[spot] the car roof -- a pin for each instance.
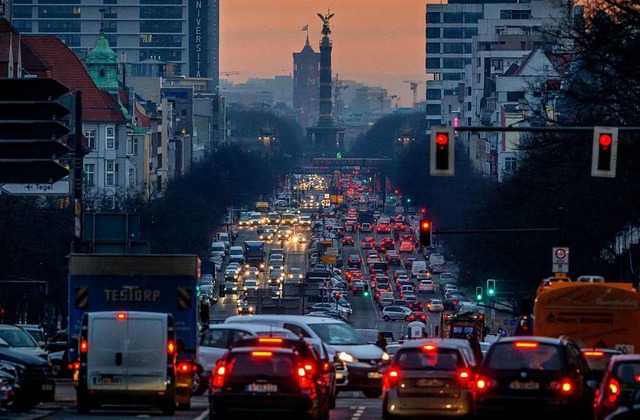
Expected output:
(299, 318)
(448, 343)
(625, 358)
(249, 327)
(542, 340)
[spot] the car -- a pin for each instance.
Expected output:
(428, 378)
(435, 305)
(413, 302)
(388, 242)
(408, 262)
(365, 227)
(406, 246)
(295, 274)
(417, 316)
(426, 286)
(348, 241)
(393, 258)
(446, 278)
(250, 284)
(598, 359)
(18, 339)
(325, 306)
(259, 378)
(354, 261)
(368, 243)
(537, 375)
(358, 287)
(619, 384)
(395, 313)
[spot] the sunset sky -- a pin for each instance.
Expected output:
(377, 42)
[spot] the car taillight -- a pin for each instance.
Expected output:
(612, 390)
(390, 379)
(84, 346)
(484, 384)
(171, 347)
(184, 367)
(526, 344)
(219, 376)
(305, 381)
(269, 340)
(565, 386)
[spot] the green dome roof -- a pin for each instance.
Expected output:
(102, 52)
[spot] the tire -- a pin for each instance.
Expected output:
(168, 408)
(82, 405)
(184, 406)
(332, 402)
(386, 318)
(199, 385)
(372, 392)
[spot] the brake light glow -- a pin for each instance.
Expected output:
(308, 367)
(261, 353)
(218, 378)
(121, 315)
(613, 390)
(564, 386)
(171, 347)
(390, 379)
(526, 345)
(464, 374)
(84, 346)
(269, 340)
(483, 384)
(184, 367)
(429, 347)
(593, 353)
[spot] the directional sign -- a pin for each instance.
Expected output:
(62, 188)
(560, 255)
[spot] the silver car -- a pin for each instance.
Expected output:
(393, 313)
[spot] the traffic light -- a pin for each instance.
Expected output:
(30, 129)
(425, 232)
(605, 152)
(479, 293)
(491, 287)
(442, 151)
(365, 291)
(423, 211)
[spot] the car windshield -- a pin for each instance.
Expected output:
(263, 363)
(18, 338)
(428, 358)
(627, 373)
(524, 356)
(338, 334)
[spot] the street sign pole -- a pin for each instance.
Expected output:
(77, 174)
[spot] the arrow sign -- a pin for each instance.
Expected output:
(31, 89)
(35, 171)
(62, 188)
(35, 110)
(32, 149)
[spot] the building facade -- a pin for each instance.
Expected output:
(306, 88)
(183, 32)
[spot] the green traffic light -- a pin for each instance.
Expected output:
(478, 297)
(365, 294)
(491, 292)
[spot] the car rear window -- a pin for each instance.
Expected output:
(524, 355)
(628, 373)
(428, 358)
(261, 362)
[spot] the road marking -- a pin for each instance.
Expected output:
(203, 415)
(359, 412)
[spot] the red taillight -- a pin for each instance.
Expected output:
(564, 386)
(261, 353)
(84, 346)
(390, 379)
(304, 381)
(612, 390)
(429, 347)
(484, 384)
(121, 315)
(593, 353)
(171, 347)
(526, 344)
(184, 367)
(218, 377)
(269, 340)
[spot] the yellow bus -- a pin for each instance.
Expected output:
(591, 312)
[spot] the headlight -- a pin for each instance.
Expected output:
(346, 357)
(385, 356)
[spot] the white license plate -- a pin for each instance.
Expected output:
(262, 388)
(109, 380)
(527, 386)
(47, 387)
(374, 375)
(339, 375)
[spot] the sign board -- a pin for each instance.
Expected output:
(416, 331)
(329, 259)
(62, 187)
(560, 268)
(560, 255)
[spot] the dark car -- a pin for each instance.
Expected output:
(428, 378)
(35, 377)
(619, 385)
(315, 361)
(354, 261)
(536, 375)
(393, 258)
(263, 380)
(598, 360)
(348, 241)
(408, 263)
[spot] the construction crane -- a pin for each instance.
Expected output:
(413, 85)
(229, 73)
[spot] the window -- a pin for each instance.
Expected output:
(297, 330)
(472, 17)
(470, 32)
(110, 173)
(132, 146)
(468, 106)
(510, 164)
(433, 17)
(452, 76)
(452, 32)
(90, 135)
(515, 96)
(433, 47)
(453, 48)
(452, 63)
(515, 14)
(453, 17)
(111, 138)
(89, 178)
(434, 94)
(434, 109)
(215, 338)
(433, 33)
(433, 63)
(131, 176)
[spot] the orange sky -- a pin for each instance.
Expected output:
(377, 42)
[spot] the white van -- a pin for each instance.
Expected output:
(236, 254)
(127, 358)
(417, 267)
(219, 248)
(470, 307)
(363, 361)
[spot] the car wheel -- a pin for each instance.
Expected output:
(82, 405)
(184, 406)
(372, 392)
(199, 385)
(168, 408)
(386, 318)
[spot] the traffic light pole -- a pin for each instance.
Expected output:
(546, 129)
(78, 174)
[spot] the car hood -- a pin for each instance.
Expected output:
(23, 356)
(361, 352)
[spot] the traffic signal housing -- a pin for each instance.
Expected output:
(425, 232)
(365, 291)
(479, 295)
(605, 152)
(442, 151)
(491, 287)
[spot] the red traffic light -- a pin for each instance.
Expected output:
(423, 211)
(605, 140)
(425, 225)
(442, 139)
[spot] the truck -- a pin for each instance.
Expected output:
(437, 263)
(461, 325)
(254, 254)
(149, 283)
(365, 217)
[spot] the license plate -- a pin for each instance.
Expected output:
(262, 388)
(339, 375)
(47, 387)
(429, 382)
(109, 380)
(527, 386)
(374, 375)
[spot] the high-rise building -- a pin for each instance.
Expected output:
(182, 32)
(306, 79)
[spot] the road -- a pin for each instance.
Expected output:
(350, 405)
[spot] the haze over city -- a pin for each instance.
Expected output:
(377, 42)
